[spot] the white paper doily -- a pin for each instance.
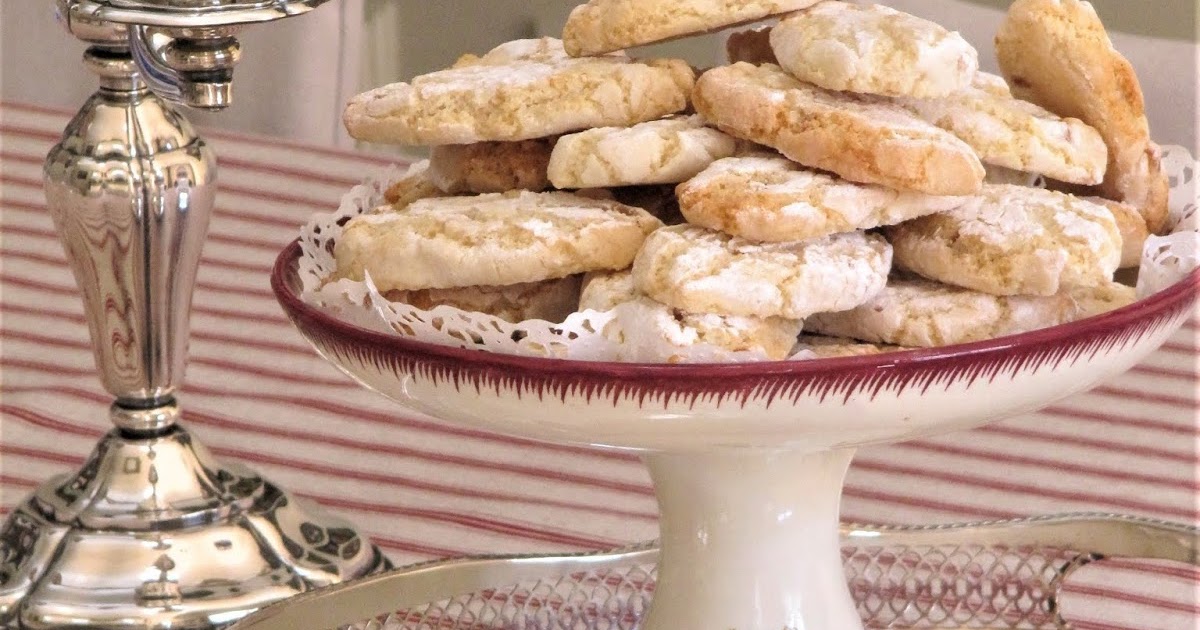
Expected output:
(1169, 259)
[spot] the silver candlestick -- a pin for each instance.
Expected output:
(153, 532)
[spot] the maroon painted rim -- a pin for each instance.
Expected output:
(284, 282)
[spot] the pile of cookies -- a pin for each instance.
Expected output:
(850, 183)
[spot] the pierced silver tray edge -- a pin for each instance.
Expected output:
(1094, 535)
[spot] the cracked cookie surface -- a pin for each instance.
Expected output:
(703, 271)
(520, 90)
(1056, 53)
(862, 139)
(1017, 134)
(1012, 240)
(775, 199)
(925, 314)
(873, 49)
(651, 325)
(491, 167)
(666, 151)
(602, 26)
(492, 239)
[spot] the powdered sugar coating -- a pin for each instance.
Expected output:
(1018, 135)
(601, 26)
(1012, 240)
(654, 332)
(702, 271)
(873, 49)
(766, 198)
(603, 291)
(666, 151)
(494, 239)
(861, 139)
(521, 90)
(924, 314)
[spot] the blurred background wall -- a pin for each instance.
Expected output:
(293, 79)
(297, 73)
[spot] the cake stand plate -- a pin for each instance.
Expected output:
(747, 460)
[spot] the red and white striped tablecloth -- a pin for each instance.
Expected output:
(256, 393)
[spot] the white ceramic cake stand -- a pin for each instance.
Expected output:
(747, 460)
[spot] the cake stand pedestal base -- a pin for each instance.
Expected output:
(750, 541)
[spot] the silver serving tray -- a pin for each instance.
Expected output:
(995, 574)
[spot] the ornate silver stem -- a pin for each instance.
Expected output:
(130, 189)
(152, 532)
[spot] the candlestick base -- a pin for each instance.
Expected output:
(152, 532)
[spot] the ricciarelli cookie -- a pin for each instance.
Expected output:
(873, 49)
(549, 300)
(490, 240)
(658, 332)
(518, 91)
(754, 46)
(924, 314)
(1017, 134)
(1132, 227)
(602, 26)
(1012, 240)
(666, 151)
(774, 199)
(487, 167)
(702, 271)
(1093, 301)
(604, 291)
(1057, 54)
(993, 84)
(861, 139)
(415, 184)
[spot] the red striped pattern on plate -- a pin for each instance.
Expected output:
(256, 393)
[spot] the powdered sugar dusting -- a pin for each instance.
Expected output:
(1086, 222)
(701, 270)
(1167, 261)
(1004, 214)
(589, 335)
(873, 49)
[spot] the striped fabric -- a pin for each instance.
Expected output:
(423, 489)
